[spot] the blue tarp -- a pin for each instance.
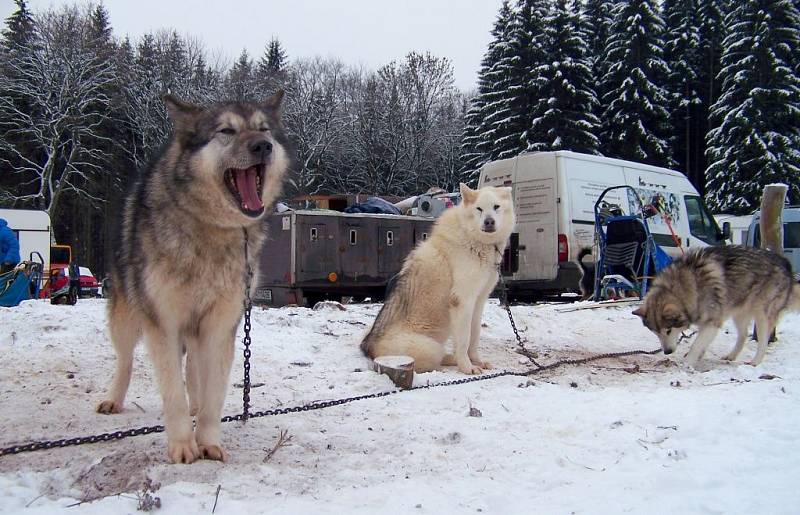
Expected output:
(661, 259)
(374, 205)
(14, 288)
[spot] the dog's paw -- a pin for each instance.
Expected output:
(183, 451)
(213, 452)
(470, 369)
(730, 357)
(483, 364)
(109, 407)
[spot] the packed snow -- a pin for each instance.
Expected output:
(636, 434)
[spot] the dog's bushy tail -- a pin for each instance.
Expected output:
(586, 251)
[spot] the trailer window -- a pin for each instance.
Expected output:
(313, 234)
(353, 236)
(701, 223)
(389, 238)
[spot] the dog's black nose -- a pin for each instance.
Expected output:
(488, 224)
(668, 351)
(261, 147)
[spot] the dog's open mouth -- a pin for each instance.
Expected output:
(245, 185)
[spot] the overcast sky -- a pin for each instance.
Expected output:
(367, 32)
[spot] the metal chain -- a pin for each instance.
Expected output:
(248, 305)
(317, 405)
(504, 302)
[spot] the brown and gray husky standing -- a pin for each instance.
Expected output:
(710, 285)
(178, 269)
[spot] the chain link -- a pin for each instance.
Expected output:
(248, 305)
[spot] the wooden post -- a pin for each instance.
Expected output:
(400, 369)
(771, 225)
(771, 215)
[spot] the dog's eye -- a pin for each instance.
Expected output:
(263, 129)
(479, 210)
(669, 331)
(496, 207)
(227, 131)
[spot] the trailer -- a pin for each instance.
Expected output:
(311, 256)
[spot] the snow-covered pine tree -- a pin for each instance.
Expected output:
(274, 59)
(683, 54)
(240, 83)
(597, 19)
(20, 27)
(477, 137)
(271, 73)
(712, 33)
(509, 106)
(562, 116)
(530, 44)
(636, 121)
(756, 136)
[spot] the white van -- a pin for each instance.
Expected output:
(554, 196)
(32, 229)
(791, 234)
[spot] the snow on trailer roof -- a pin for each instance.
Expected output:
(328, 212)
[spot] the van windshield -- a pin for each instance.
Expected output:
(701, 224)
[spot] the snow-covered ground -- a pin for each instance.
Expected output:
(599, 438)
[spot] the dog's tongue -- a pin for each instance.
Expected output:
(248, 189)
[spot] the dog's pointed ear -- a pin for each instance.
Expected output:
(468, 195)
(275, 101)
(182, 114)
(640, 312)
(674, 316)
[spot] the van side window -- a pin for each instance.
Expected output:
(701, 223)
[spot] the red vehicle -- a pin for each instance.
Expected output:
(89, 286)
(58, 288)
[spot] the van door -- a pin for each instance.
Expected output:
(703, 229)
(315, 241)
(535, 205)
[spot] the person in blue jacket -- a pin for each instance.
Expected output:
(9, 248)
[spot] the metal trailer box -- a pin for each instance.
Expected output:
(315, 255)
